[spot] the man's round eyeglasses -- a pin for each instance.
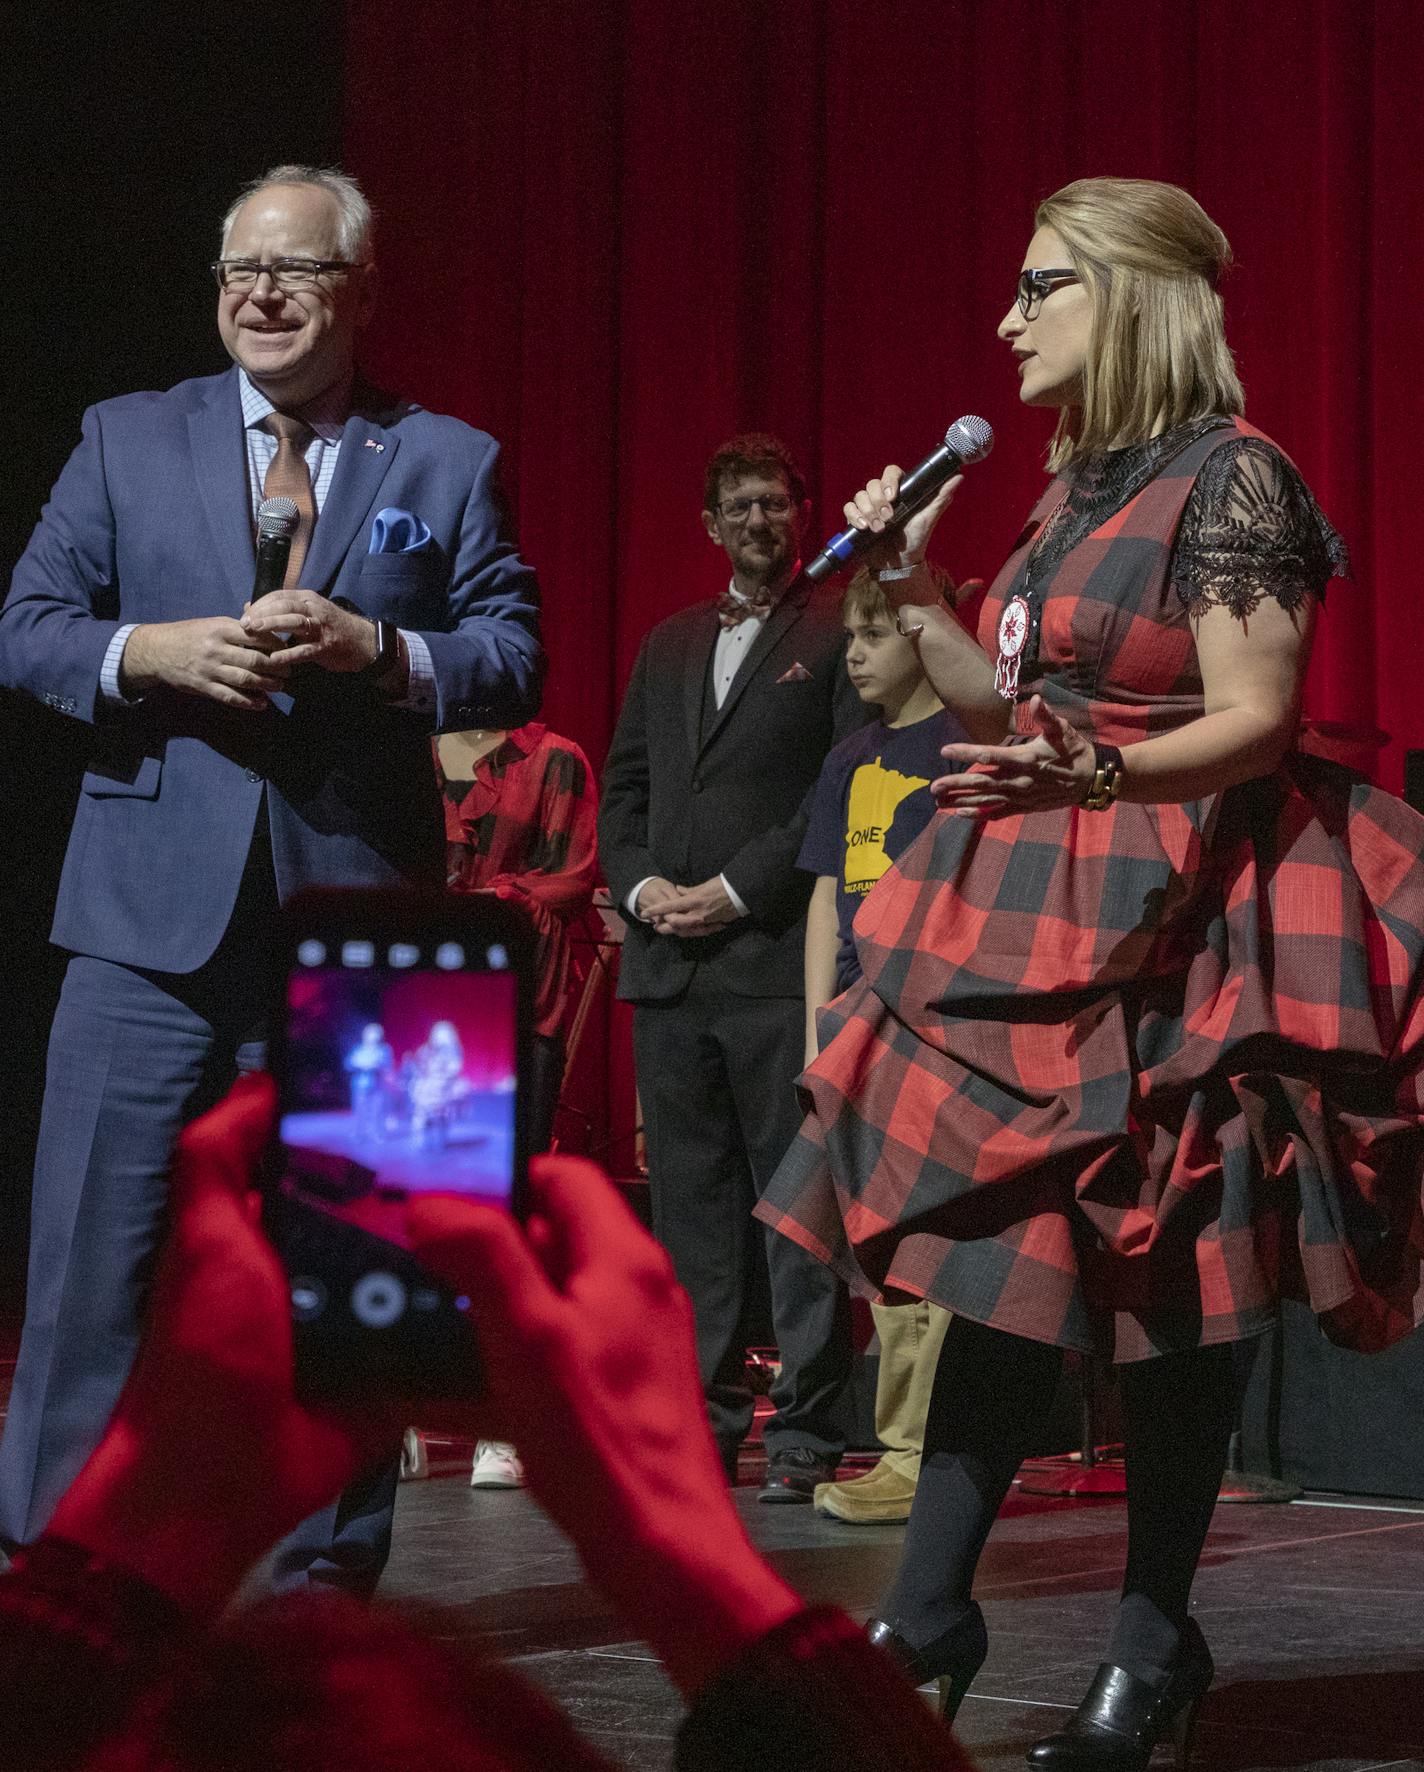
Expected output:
(737, 510)
(1036, 286)
(286, 273)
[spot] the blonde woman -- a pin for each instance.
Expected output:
(1138, 1043)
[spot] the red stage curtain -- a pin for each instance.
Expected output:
(615, 231)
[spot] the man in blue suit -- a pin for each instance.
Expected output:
(240, 752)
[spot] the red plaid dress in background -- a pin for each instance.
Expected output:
(525, 829)
(1118, 1080)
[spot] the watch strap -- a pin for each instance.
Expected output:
(1106, 784)
(387, 650)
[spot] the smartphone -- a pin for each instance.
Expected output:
(400, 1035)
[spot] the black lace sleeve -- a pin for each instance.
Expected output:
(1253, 530)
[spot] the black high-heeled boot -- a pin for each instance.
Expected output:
(1122, 1717)
(952, 1659)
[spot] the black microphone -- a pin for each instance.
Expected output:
(276, 525)
(967, 440)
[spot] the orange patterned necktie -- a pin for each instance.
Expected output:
(289, 477)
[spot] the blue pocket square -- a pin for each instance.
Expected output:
(397, 532)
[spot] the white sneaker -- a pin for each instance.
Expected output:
(496, 1466)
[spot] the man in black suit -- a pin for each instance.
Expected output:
(731, 708)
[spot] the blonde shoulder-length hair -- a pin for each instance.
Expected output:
(1151, 259)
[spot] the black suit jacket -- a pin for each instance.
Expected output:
(688, 803)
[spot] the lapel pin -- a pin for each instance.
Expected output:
(379, 448)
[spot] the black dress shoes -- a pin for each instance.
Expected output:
(793, 1475)
(951, 1660)
(1122, 1717)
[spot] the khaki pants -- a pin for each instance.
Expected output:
(910, 1337)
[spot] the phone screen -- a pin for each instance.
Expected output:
(398, 1066)
(399, 1079)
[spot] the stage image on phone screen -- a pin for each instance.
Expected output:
(397, 1081)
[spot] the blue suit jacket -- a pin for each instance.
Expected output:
(150, 521)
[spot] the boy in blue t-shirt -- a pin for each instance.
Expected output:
(871, 800)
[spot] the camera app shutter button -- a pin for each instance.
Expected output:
(378, 1299)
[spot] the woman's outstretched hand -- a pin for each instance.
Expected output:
(1053, 768)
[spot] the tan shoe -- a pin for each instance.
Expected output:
(881, 1496)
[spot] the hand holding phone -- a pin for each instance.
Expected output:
(211, 1456)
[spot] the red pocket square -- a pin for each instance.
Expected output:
(797, 674)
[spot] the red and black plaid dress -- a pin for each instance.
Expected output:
(1119, 1080)
(525, 828)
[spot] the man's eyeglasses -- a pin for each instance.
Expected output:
(286, 273)
(1036, 286)
(737, 510)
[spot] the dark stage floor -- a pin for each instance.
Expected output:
(1314, 1611)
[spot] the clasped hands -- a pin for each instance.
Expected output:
(241, 663)
(311, 629)
(1053, 768)
(686, 910)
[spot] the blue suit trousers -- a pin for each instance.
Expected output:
(133, 1057)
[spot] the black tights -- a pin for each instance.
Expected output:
(991, 1392)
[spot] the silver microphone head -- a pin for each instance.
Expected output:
(970, 438)
(279, 516)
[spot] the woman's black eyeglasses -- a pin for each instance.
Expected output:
(1036, 286)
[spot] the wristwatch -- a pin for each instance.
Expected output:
(387, 651)
(1106, 784)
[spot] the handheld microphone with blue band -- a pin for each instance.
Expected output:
(968, 439)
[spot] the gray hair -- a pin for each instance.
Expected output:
(355, 221)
